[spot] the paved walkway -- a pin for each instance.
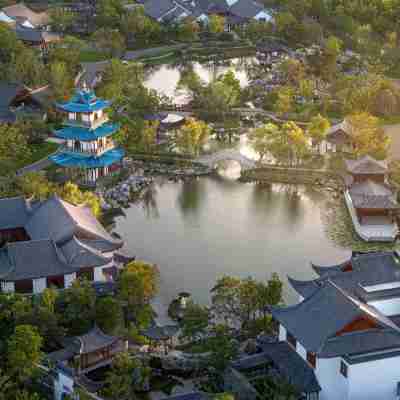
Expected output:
(226, 155)
(153, 52)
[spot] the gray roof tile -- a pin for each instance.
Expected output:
(246, 8)
(32, 260)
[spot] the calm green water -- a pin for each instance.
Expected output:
(198, 231)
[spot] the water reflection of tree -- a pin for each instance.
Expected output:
(264, 199)
(149, 201)
(316, 195)
(292, 201)
(191, 196)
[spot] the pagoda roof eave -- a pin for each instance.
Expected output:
(84, 108)
(86, 135)
(75, 161)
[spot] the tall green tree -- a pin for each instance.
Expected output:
(108, 314)
(76, 305)
(23, 352)
(195, 320)
(138, 284)
(263, 139)
(127, 376)
(13, 149)
(61, 20)
(110, 41)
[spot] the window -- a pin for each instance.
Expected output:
(343, 369)
(291, 339)
(312, 359)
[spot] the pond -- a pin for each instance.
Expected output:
(164, 78)
(200, 230)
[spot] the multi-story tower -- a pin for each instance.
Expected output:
(89, 148)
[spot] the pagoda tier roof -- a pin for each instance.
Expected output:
(84, 101)
(84, 134)
(76, 160)
(366, 165)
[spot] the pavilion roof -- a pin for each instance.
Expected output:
(370, 194)
(366, 165)
(94, 340)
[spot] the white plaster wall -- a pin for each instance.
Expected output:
(71, 116)
(301, 350)
(39, 285)
(68, 279)
(282, 332)
(98, 272)
(334, 386)
(388, 307)
(7, 287)
(263, 15)
(374, 380)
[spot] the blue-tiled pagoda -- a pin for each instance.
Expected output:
(89, 147)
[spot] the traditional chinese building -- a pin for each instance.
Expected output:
(371, 202)
(89, 150)
(346, 327)
(51, 243)
(81, 355)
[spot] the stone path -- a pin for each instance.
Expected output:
(226, 155)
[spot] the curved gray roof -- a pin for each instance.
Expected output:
(32, 260)
(366, 269)
(54, 227)
(246, 8)
(366, 165)
(13, 213)
(60, 221)
(370, 194)
(316, 320)
(292, 366)
(80, 255)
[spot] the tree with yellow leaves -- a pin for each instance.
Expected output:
(192, 136)
(368, 136)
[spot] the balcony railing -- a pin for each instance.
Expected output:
(87, 152)
(87, 124)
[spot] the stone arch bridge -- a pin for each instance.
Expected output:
(211, 160)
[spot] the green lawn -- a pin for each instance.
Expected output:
(38, 152)
(92, 56)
